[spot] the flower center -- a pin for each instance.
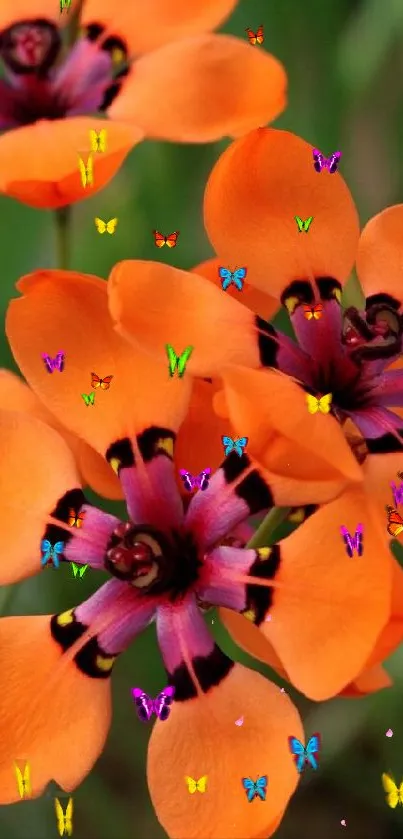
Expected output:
(152, 562)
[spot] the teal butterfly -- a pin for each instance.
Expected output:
(303, 225)
(237, 445)
(51, 553)
(177, 361)
(88, 398)
(78, 569)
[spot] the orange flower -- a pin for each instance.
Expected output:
(154, 71)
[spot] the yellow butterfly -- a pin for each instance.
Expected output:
(64, 820)
(86, 172)
(23, 779)
(323, 404)
(108, 226)
(394, 794)
(98, 139)
(196, 786)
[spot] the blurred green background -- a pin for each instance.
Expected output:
(344, 59)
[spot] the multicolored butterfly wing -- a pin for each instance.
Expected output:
(332, 162)
(161, 240)
(395, 522)
(318, 160)
(187, 479)
(163, 702)
(75, 519)
(89, 398)
(255, 37)
(86, 172)
(203, 479)
(312, 312)
(104, 383)
(56, 363)
(144, 704)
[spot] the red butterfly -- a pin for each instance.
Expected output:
(102, 383)
(255, 38)
(313, 311)
(169, 241)
(395, 521)
(75, 519)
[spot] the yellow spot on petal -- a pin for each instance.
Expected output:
(291, 304)
(264, 554)
(167, 444)
(115, 464)
(104, 662)
(65, 618)
(250, 615)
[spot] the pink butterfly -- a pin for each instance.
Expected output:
(195, 481)
(146, 706)
(321, 162)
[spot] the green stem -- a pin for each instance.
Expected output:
(62, 219)
(262, 536)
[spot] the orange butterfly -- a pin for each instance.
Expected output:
(313, 311)
(103, 383)
(75, 519)
(395, 521)
(169, 241)
(255, 38)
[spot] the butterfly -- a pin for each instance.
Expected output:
(78, 569)
(106, 226)
(195, 481)
(308, 754)
(394, 794)
(255, 789)
(104, 383)
(98, 139)
(255, 38)
(237, 277)
(323, 404)
(51, 553)
(234, 445)
(23, 779)
(146, 706)
(312, 311)
(169, 241)
(86, 172)
(397, 491)
(353, 542)
(303, 225)
(395, 521)
(321, 162)
(177, 361)
(196, 786)
(64, 820)
(75, 519)
(56, 363)
(64, 4)
(89, 398)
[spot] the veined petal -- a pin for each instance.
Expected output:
(209, 717)
(256, 301)
(221, 579)
(49, 176)
(389, 391)
(37, 470)
(200, 89)
(257, 187)
(380, 255)
(146, 26)
(305, 457)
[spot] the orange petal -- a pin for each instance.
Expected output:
(256, 188)
(350, 595)
(15, 395)
(64, 735)
(70, 313)
(258, 303)
(249, 638)
(37, 469)
(12, 12)
(188, 311)
(199, 440)
(201, 89)
(49, 176)
(392, 634)
(372, 679)
(201, 738)
(146, 26)
(307, 455)
(380, 254)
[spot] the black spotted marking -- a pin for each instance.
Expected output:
(120, 455)
(299, 290)
(91, 660)
(93, 31)
(382, 300)
(210, 671)
(154, 441)
(233, 466)
(300, 514)
(268, 345)
(258, 598)
(387, 444)
(255, 492)
(329, 288)
(73, 498)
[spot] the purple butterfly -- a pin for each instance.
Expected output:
(56, 363)
(321, 162)
(195, 481)
(353, 542)
(146, 706)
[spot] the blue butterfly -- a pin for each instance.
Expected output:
(255, 789)
(305, 754)
(51, 552)
(234, 445)
(237, 277)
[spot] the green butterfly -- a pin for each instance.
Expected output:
(303, 225)
(65, 4)
(177, 361)
(88, 398)
(78, 569)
